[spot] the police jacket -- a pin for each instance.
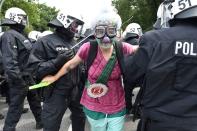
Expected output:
(131, 39)
(42, 58)
(167, 59)
(1, 64)
(15, 49)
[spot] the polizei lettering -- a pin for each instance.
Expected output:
(61, 48)
(185, 48)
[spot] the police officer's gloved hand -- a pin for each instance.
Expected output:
(62, 58)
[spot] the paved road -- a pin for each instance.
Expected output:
(27, 122)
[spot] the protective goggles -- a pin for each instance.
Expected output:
(100, 31)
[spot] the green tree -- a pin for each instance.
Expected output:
(124, 10)
(142, 12)
(46, 14)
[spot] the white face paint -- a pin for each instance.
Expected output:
(105, 46)
(105, 42)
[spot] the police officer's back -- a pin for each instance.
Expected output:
(167, 60)
(1, 73)
(1, 59)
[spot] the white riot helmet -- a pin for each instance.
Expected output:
(133, 28)
(159, 11)
(163, 15)
(67, 19)
(157, 24)
(178, 9)
(34, 35)
(14, 16)
(183, 9)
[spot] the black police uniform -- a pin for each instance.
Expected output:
(1, 63)
(1, 80)
(1, 73)
(57, 98)
(131, 38)
(15, 50)
(4, 89)
(167, 59)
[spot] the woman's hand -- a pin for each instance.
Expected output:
(49, 79)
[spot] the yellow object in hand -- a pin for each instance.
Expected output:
(40, 85)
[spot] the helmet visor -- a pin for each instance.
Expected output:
(22, 19)
(79, 22)
(74, 26)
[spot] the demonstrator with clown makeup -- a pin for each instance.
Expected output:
(103, 96)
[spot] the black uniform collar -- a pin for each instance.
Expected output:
(183, 22)
(66, 40)
(64, 34)
(18, 28)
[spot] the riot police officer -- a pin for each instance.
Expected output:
(15, 48)
(167, 61)
(132, 33)
(48, 56)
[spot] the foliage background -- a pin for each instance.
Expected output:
(142, 12)
(139, 11)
